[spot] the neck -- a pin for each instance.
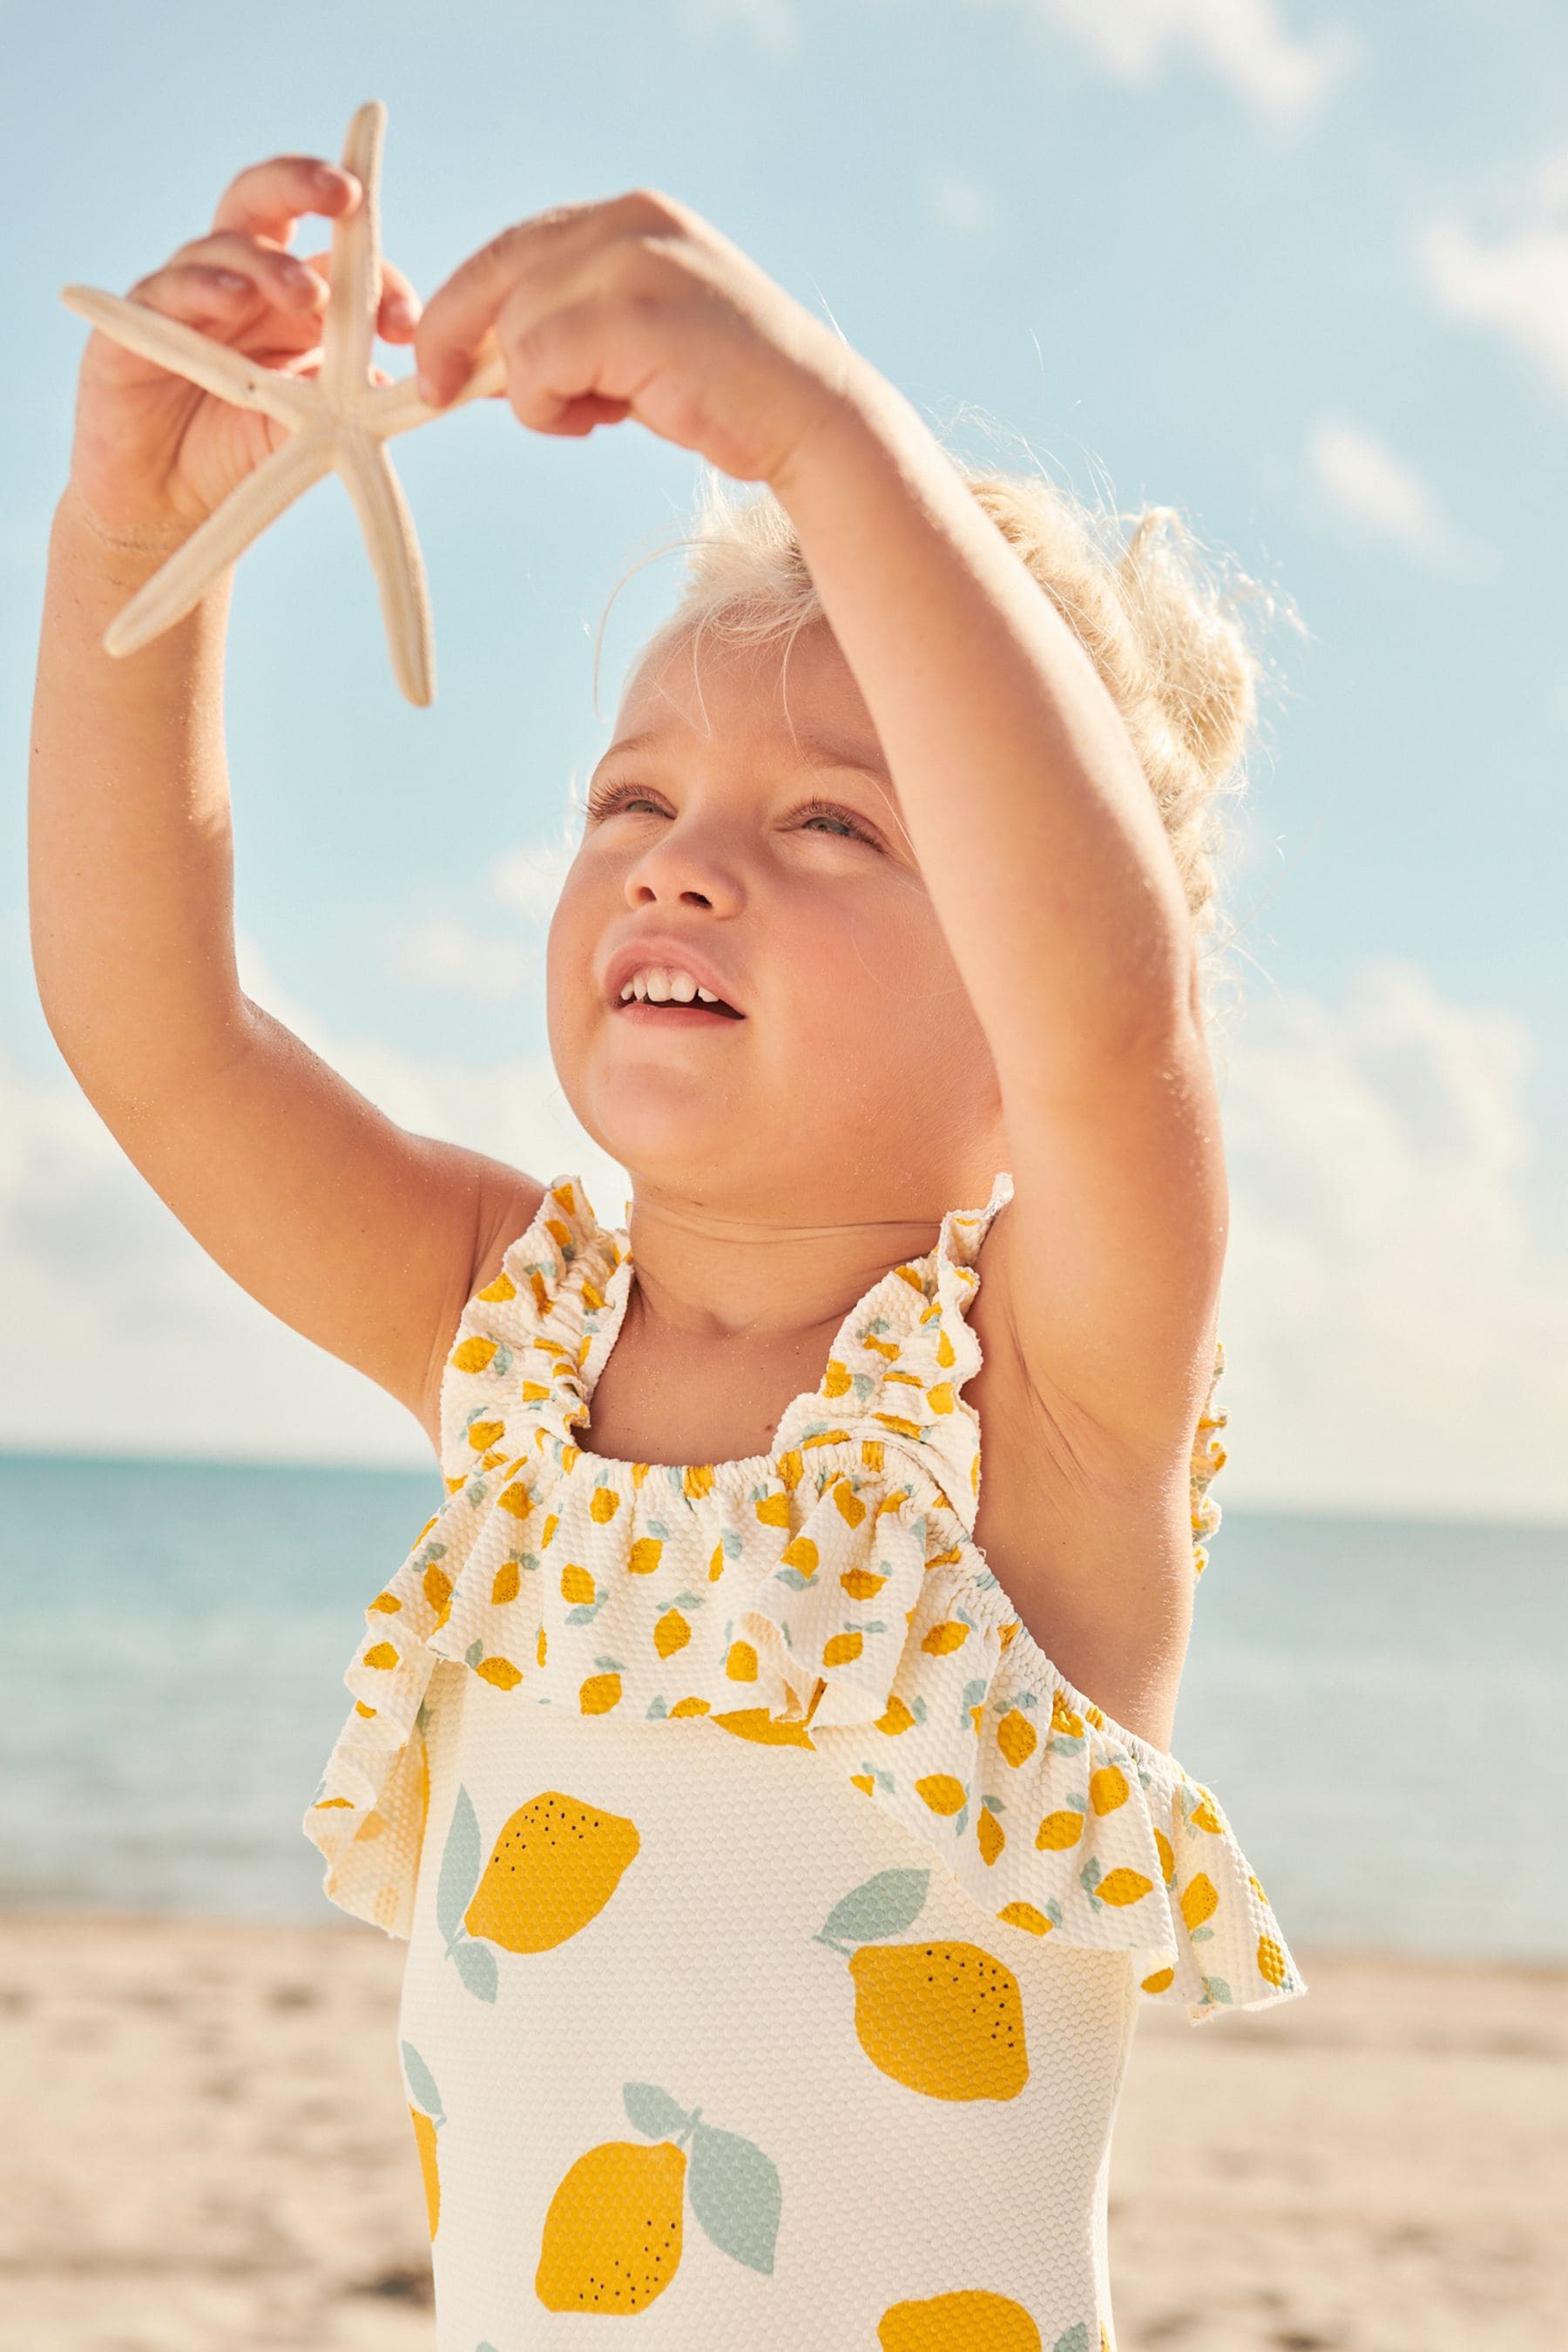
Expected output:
(705, 1276)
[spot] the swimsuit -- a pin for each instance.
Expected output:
(778, 1915)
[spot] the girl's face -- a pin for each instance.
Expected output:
(858, 1077)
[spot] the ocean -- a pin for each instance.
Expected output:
(1380, 1706)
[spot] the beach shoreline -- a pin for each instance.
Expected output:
(208, 2144)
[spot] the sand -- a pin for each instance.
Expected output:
(205, 2145)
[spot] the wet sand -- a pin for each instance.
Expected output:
(205, 2147)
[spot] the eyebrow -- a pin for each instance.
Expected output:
(819, 750)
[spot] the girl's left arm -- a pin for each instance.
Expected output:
(1058, 892)
(1034, 824)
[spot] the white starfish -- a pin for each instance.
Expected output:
(337, 419)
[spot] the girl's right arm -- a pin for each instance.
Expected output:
(352, 1231)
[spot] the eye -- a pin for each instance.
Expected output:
(611, 797)
(816, 808)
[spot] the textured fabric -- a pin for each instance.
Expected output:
(683, 1750)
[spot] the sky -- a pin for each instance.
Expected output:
(1300, 270)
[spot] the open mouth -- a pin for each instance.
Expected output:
(673, 1010)
(670, 993)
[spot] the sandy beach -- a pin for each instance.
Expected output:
(205, 2147)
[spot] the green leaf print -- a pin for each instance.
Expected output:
(476, 1964)
(461, 1864)
(422, 2084)
(1075, 2340)
(735, 2196)
(653, 2111)
(884, 1904)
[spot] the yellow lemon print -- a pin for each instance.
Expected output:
(1016, 1737)
(756, 1722)
(1059, 1830)
(942, 1792)
(472, 1355)
(1026, 1915)
(945, 2019)
(1161, 1981)
(1199, 1900)
(612, 2236)
(1108, 1789)
(424, 2141)
(973, 2315)
(672, 1631)
(1270, 1961)
(1124, 1886)
(898, 1717)
(554, 1867)
(597, 1694)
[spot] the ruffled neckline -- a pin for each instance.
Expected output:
(829, 1594)
(910, 1320)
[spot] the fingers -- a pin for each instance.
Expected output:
(266, 199)
(397, 313)
(551, 245)
(277, 277)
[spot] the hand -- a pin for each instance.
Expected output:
(154, 454)
(638, 307)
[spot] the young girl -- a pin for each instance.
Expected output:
(780, 1816)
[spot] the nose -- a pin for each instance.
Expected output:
(686, 863)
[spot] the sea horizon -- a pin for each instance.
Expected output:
(169, 1724)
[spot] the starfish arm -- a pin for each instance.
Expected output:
(389, 536)
(352, 305)
(386, 409)
(216, 367)
(182, 582)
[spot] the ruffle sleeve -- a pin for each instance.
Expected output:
(828, 1596)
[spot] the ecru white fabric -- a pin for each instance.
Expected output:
(778, 1914)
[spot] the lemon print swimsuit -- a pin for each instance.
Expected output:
(778, 1915)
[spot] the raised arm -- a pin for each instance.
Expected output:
(355, 1232)
(1058, 893)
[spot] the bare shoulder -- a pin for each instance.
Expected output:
(508, 1204)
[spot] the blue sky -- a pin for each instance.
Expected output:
(1300, 270)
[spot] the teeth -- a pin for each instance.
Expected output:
(657, 984)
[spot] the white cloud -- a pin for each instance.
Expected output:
(124, 1336)
(770, 23)
(1245, 42)
(443, 953)
(528, 877)
(961, 204)
(1394, 1309)
(1369, 483)
(1395, 1300)
(1518, 284)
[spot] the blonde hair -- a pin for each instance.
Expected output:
(1164, 637)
